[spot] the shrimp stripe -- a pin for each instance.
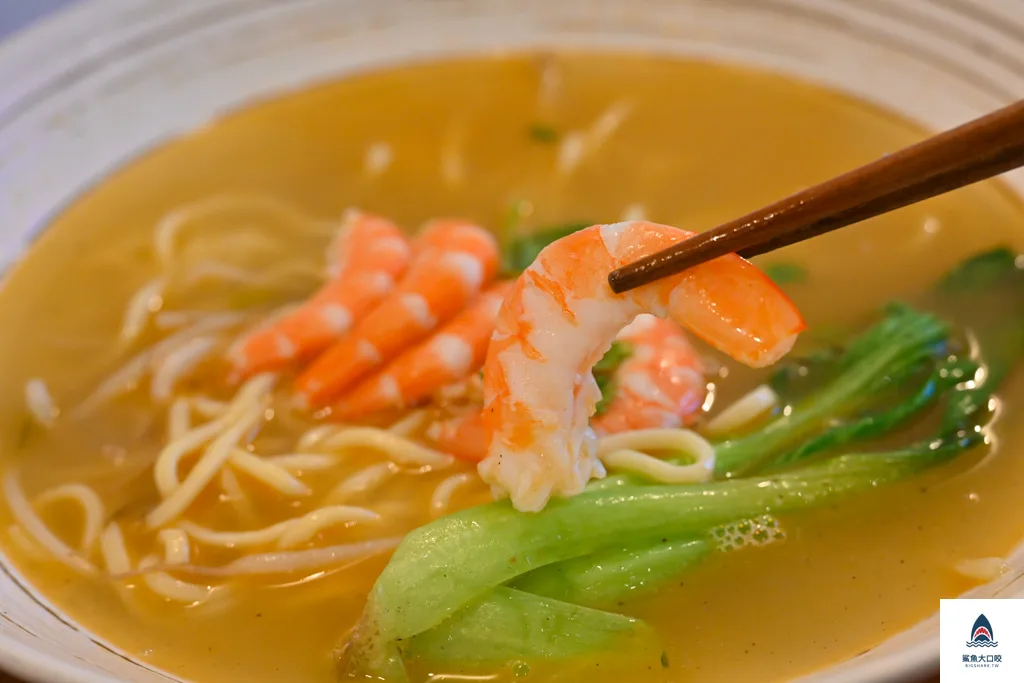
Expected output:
(366, 257)
(437, 286)
(539, 389)
(660, 385)
(457, 349)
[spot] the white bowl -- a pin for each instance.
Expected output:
(98, 84)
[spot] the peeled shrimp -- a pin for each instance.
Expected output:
(455, 261)
(560, 319)
(365, 258)
(458, 349)
(464, 436)
(659, 385)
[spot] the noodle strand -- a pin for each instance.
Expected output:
(36, 528)
(442, 496)
(625, 452)
(90, 503)
(288, 533)
(399, 450)
(743, 411)
(274, 476)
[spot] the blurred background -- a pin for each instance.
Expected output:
(15, 14)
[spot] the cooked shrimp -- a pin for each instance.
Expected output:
(561, 317)
(458, 259)
(365, 258)
(659, 385)
(464, 436)
(458, 349)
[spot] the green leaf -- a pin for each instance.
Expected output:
(613, 358)
(606, 578)
(448, 563)
(875, 364)
(784, 273)
(514, 215)
(460, 560)
(984, 296)
(520, 252)
(591, 546)
(543, 133)
(983, 271)
(507, 624)
(944, 379)
(795, 377)
(604, 373)
(26, 431)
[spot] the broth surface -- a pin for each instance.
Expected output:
(694, 144)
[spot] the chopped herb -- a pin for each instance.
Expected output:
(517, 210)
(982, 272)
(247, 298)
(784, 273)
(543, 133)
(25, 432)
(522, 251)
(664, 660)
(611, 360)
(604, 372)
(609, 388)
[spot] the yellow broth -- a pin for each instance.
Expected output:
(698, 143)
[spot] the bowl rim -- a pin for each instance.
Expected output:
(34, 664)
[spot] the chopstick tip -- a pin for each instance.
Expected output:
(618, 281)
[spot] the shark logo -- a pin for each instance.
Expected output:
(982, 634)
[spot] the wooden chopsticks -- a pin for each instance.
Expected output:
(977, 150)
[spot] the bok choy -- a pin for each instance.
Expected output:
(492, 585)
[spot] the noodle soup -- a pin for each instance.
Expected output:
(196, 515)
